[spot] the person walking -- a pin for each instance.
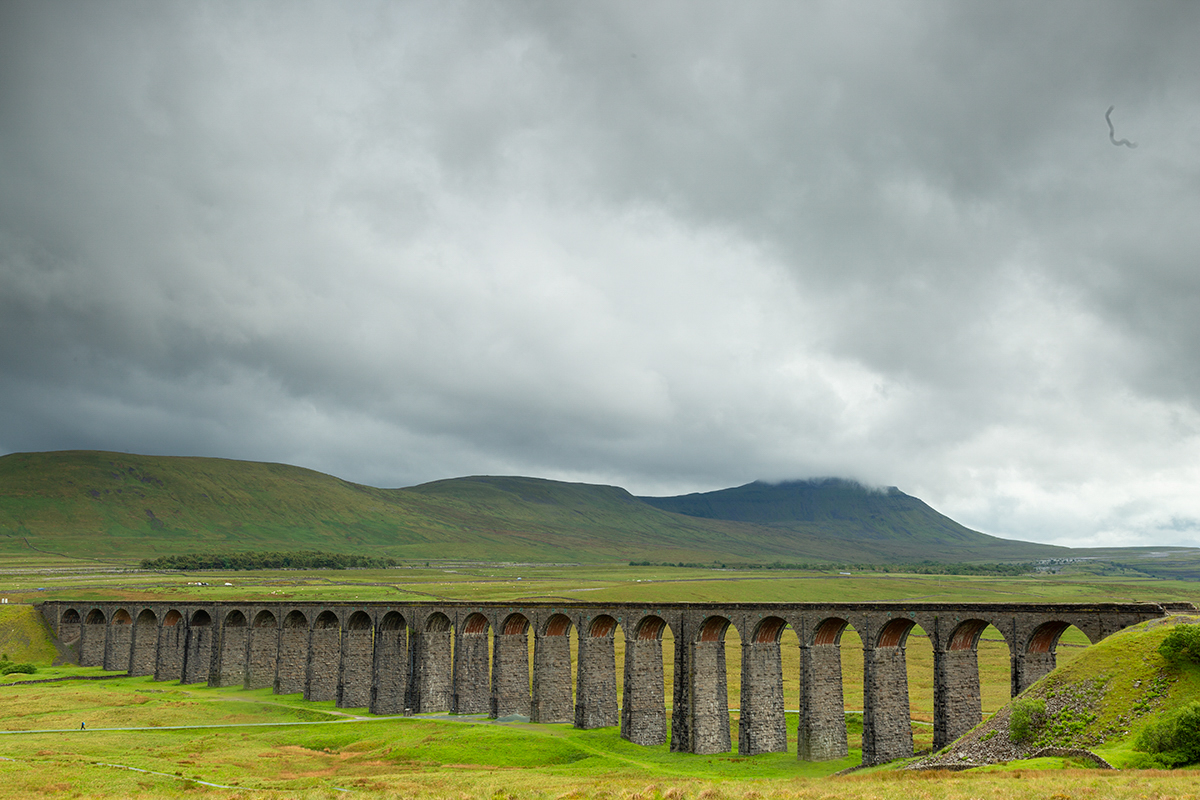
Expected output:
(83, 725)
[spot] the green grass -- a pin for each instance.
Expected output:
(24, 637)
(421, 757)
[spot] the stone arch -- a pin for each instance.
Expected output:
(762, 727)
(172, 618)
(389, 685)
(235, 619)
(201, 619)
(437, 622)
(894, 632)
(145, 643)
(648, 628)
(1037, 656)
(353, 687)
(291, 670)
(768, 630)
(713, 629)
(643, 707)
(515, 624)
(69, 617)
(95, 617)
(326, 619)
(602, 626)
(510, 668)
(476, 623)
(265, 619)
(121, 617)
(557, 625)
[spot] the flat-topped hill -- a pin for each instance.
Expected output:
(116, 505)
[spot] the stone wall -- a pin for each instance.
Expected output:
(354, 675)
(473, 690)
(324, 658)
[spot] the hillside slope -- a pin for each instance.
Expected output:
(116, 505)
(1098, 702)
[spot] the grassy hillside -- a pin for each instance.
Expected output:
(1098, 702)
(119, 506)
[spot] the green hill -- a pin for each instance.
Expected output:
(1098, 702)
(120, 506)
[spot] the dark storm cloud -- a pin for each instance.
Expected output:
(673, 247)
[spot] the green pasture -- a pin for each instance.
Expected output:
(281, 746)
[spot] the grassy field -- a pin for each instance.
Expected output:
(281, 746)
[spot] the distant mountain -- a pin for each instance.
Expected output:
(120, 506)
(847, 509)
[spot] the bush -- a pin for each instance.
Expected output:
(1182, 645)
(1027, 718)
(9, 669)
(1173, 739)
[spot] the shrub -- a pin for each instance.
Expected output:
(1174, 738)
(1182, 645)
(1027, 718)
(9, 669)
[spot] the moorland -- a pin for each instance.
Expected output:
(63, 537)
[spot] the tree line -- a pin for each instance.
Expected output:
(920, 568)
(301, 559)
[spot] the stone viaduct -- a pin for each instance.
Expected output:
(430, 657)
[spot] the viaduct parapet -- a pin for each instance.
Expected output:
(429, 657)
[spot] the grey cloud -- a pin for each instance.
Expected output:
(674, 247)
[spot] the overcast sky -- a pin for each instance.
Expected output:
(669, 246)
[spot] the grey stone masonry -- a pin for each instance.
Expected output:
(172, 641)
(510, 669)
(93, 639)
(433, 667)
(145, 644)
(357, 660)
(118, 642)
(643, 709)
(324, 658)
(262, 651)
(762, 727)
(958, 706)
(291, 666)
(197, 654)
(552, 673)
(709, 698)
(822, 730)
(472, 686)
(887, 725)
(429, 657)
(389, 681)
(596, 676)
(229, 654)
